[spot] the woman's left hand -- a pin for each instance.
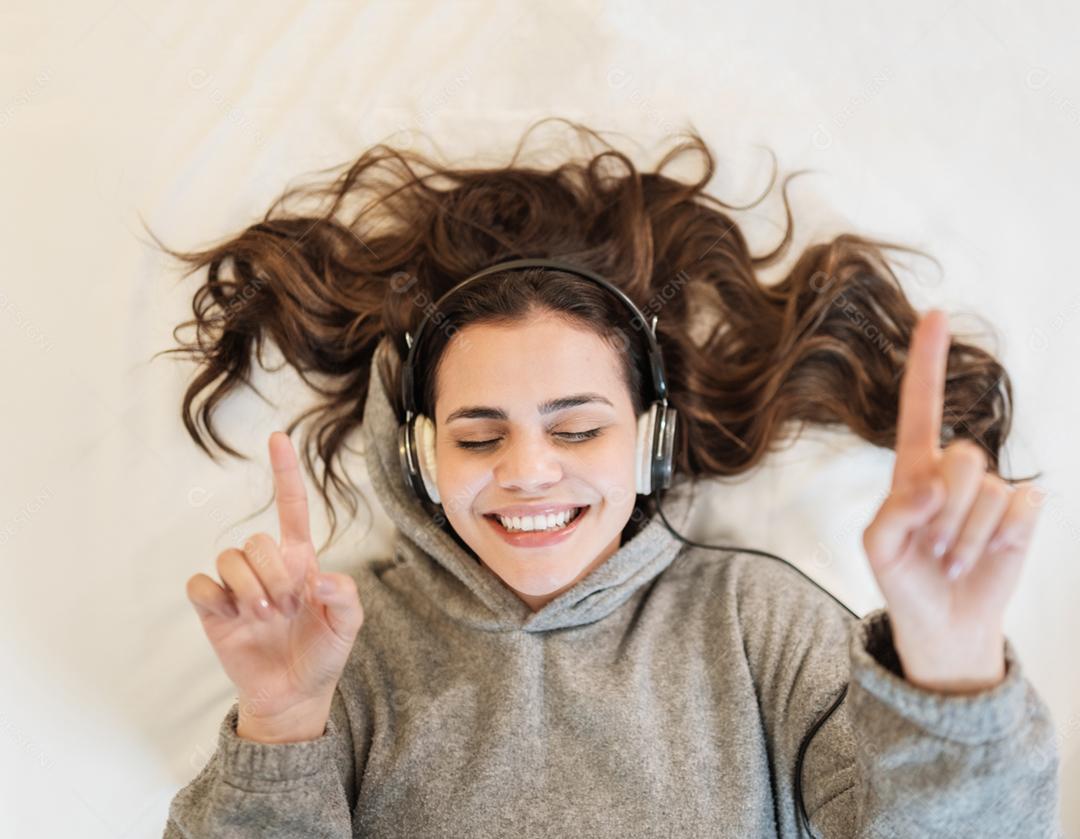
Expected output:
(946, 606)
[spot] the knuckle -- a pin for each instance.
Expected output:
(252, 604)
(963, 547)
(1008, 534)
(949, 515)
(1035, 494)
(969, 452)
(192, 587)
(284, 599)
(1011, 539)
(995, 488)
(258, 551)
(225, 559)
(1023, 534)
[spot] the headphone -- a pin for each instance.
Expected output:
(653, 455)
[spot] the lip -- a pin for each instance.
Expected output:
(533, 509)
(536, 539)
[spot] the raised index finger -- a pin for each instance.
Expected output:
(922, 395)
(289, 492)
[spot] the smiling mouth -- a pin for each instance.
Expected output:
(576, 514)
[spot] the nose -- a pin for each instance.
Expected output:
(529, 463)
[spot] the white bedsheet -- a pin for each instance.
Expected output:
(950, 126)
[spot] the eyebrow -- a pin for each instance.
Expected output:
(548, 407)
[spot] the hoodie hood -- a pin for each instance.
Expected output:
(466, 589)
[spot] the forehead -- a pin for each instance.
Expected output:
(525, 364)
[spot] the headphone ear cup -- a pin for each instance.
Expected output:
(408, 474)
(664, 441)
(646, 428)
(425, 455)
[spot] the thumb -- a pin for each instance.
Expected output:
(902, 513)
(344, 613)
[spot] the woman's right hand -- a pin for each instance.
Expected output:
(281, 640)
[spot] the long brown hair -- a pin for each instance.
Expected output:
(826, 344)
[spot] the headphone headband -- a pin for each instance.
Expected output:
(656, 364)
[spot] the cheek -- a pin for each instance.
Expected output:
(619, 453)
(613, 472)
(460, 478)
(616, 464)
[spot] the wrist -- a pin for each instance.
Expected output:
(955, 665)
(954, 683)
(302, 722)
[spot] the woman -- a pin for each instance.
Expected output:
(602, 678)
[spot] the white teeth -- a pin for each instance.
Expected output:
(553, 521)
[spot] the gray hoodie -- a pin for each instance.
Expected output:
(664, 695)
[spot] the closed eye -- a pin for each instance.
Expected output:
(570, 436)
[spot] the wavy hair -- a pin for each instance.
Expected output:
(384, 236)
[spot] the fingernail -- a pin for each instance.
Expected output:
(940, 544)
(961, 564)
(263, 608)
(323, 585)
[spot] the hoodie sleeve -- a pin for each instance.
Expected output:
(933, 764)
(251, 789)
(894, 759)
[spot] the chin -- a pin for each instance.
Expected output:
(540, 574)
(537, 581)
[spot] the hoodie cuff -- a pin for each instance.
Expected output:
(975, 718)
(244, 759)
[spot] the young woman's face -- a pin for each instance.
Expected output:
(548, 404)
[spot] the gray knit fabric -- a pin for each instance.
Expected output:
(665, 695)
